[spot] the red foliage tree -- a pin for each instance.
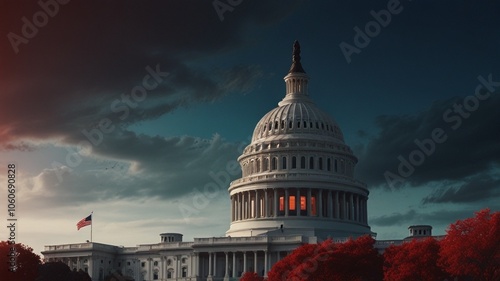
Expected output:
(471, 248)
(353, 260)
(251, 276)
(20, 257)
(413, 261)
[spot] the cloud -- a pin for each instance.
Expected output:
(163, 168)
(411, 217)
(67, 77)
(471, 145)
(394, 219)
(477, 188)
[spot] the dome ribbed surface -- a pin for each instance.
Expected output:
(302, 119)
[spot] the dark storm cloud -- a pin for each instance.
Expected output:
(65, 78)
(471, 144)
(164, 168)
(414, 217)
(475, 189)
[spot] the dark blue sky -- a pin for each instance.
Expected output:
(223, 75)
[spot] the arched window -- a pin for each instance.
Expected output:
(320, 163)
(298, 124)
(294, 162)
(283, 163)
(290, 124)
(274, 163)
(282, 124)
(311, 162)
(155, 263)
(269, 126)
(276, 125)
(305, 124)
(303, 162)
(184, 272)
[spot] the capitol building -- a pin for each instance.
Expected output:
(297, 186)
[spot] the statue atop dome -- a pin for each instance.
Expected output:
(296, 65)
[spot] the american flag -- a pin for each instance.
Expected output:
(84, 222)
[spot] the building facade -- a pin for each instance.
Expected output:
(297, 187)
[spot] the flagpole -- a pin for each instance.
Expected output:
(91, 225)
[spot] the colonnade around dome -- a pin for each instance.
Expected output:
(299, 202)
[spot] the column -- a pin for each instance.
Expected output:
(244, 263)
(237, 206)
(309, 202)
(226, 273)
(209, 264)
(215, 264)
(255, 262)
(351, 205)
(233, 275)
(287, 202)
(365, 210)
(297, 202)
(329, 202)
(240, 209)
(162, 271)
(249, 202)
(257, 204)
(265, 264)
(78, 266)
(344, 209)
(196, 264)
(266, 204)
(178, 266)
(276, 202)
(357, 209)
(91, 267)
(337, 205)
(320, 202)
(191, 266)
(242, 205)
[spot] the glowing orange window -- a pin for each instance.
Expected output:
(292, 204)
(303, 203)
(313, 206)
(282, 203)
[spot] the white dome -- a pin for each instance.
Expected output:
(298, 118)
(297, 172)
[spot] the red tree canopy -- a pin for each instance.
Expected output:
(353, 260)
(21, 257)
(471, 247)
(413, 261)
(251, 276)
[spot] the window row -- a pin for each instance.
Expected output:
(267, 164)
(299, 202)
(301, 124)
